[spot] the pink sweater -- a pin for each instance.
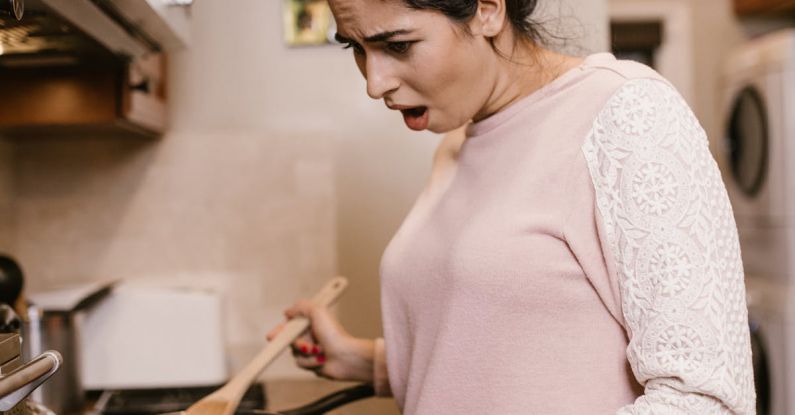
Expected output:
(576, 255)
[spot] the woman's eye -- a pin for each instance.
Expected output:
(357, 48)
(399, 47)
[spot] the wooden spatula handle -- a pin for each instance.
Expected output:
(330, 292)
(233, 391)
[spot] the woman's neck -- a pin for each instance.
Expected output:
(519, 74)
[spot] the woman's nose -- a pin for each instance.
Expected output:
(381, 79)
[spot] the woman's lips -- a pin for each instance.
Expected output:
(415, 118)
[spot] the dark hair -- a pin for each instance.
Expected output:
(517, 11)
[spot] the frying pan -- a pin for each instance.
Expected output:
(322, 405)
(140, 402)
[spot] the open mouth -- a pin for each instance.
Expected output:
(416, 118)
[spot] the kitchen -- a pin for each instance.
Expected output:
(270, 176)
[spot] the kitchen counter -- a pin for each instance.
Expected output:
(287, 394)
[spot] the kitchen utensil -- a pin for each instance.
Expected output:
(54, 321)
(18, 384)
(224, 401)
(57, 331)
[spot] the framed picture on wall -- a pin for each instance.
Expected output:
(307, 22)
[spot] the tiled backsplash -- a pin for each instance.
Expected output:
(249, 215)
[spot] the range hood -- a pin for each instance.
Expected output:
(68, 31)
(80, 66)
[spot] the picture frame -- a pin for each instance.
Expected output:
(307, 22)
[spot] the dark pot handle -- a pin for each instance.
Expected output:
(336, 399)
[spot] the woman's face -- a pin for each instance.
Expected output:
(418, 61)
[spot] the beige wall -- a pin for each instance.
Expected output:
(578, 27)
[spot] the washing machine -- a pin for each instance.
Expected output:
(757, 153)
(757, 158)
(772, 334)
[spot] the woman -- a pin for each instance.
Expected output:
(574, 252)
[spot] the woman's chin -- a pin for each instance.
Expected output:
(445, 128)
(439, 130)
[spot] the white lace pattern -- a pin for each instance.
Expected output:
(672, 235)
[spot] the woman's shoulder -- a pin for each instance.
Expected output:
(618, 87)
(603, 76)
(622, 68)
(633, 84)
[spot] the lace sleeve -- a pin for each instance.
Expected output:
(672, 235)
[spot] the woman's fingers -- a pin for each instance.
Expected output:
(323, 347)
(301, 308)
(306, 348)
(306, 345)
(325, 327)
(313, 363)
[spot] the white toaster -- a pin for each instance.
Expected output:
(141, 337)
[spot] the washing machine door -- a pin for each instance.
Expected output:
(747, 141)
(762, 381)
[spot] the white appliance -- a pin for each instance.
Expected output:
(772, 334)
(760, 86)
(142, 336)
(756, 156)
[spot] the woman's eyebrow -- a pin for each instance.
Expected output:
(341, 39)
(384, 36)
(380, 37)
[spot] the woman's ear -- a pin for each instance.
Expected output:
(489, 19)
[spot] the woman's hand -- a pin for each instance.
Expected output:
(326, 348)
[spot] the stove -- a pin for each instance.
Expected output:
(158, 401)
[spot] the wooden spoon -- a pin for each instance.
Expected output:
(224, 401)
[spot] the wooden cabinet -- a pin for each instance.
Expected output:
(636, 40)
(107, 98)
(756, 7)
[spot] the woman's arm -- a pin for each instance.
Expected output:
(380, 370)
(669, 232)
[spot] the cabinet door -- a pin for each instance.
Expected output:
(749, 7)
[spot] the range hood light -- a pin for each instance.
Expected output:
(1, 48)
(178, 2)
